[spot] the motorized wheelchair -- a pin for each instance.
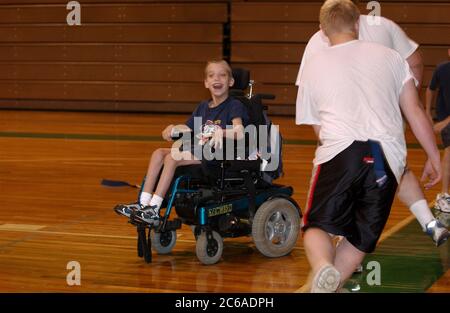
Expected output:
(229, 198)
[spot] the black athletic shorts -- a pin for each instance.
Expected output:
(345, 198)
(445, 135)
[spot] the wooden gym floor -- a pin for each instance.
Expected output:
(54, 210)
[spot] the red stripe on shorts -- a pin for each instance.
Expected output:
(311, 193)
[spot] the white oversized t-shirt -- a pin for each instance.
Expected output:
(387, 33)
(352, 91)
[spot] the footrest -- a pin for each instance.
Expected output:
(144, 244)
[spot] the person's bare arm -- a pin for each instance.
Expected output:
(422, 129)
(415, 62)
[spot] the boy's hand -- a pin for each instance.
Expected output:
(217, 138)
(167, 133)
(432, 172)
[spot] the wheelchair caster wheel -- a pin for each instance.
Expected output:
(209, 250)
(163, 242)
(275, 227)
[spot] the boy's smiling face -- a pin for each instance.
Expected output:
(218, 80)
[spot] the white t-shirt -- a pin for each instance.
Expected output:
(352, 91)
(386, 33)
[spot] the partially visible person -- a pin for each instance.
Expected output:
(221, 116)
(440, 84)
(390, 35)
(350, 93)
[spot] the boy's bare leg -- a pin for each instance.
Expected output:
(319, 248)
(171, 162)
(347, 259)
(150, 213)
(320, 252)
(154, 167)
(409, 190)
(410, 193)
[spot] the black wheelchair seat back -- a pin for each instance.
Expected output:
(258, 116)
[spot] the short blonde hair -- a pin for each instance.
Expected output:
(222, 62)
(338, 16)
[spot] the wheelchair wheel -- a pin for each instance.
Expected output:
(275, 227)
(164, 242)
(209, 251)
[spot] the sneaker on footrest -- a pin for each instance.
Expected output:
(127, 209)
(149, 215)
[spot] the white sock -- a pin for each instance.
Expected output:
(422, 212)
(156, 201)
(145, 198)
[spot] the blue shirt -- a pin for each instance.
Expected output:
(441, 80)
(221, 115)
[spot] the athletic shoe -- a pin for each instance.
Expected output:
(148, 215)
(437, 232)
(443, 202)
(351, 285)
(327, 280)
(127, 209)
(444, 219)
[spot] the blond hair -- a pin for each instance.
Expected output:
(222, 62)
(338, 16)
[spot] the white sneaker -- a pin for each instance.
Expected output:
(444, 219)
(437, 232)
(327, 280)
(442, 202)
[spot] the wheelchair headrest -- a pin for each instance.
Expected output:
(241, 78)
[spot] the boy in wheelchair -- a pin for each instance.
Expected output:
(222, 117)
(219, 197)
